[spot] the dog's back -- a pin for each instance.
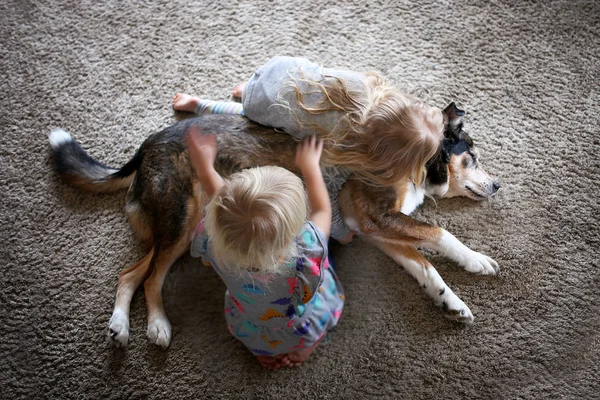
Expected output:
(165, 185)
(161, 180)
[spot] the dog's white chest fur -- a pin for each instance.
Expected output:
(414, 198)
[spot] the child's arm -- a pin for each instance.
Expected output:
(203, 152)
(308, 154)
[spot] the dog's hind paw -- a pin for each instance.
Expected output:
(159, 332)
(479, 263)
(118, 329)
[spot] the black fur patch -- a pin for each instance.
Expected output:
(455, 146)
(444, 306)
(437, 169)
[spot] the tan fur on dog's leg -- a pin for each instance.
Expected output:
(159, 328)
(129, 280)
(139, 222)
(427, 276)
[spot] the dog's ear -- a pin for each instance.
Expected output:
(453, 117)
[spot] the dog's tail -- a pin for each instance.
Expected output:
(78, 168)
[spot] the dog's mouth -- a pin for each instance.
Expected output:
(476, 195)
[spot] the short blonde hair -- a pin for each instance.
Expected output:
(253, 219)
(384, 136)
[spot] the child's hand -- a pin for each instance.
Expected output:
(202, 150)
(308, 153)
(203, 153)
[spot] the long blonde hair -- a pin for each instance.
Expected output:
(253, 219)
(384, 136)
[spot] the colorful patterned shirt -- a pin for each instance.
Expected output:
(282, 312)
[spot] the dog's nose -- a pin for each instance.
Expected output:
(496, 186)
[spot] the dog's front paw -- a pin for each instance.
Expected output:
(159, 331)
(455, 309)
(118, 328)
(478, 263)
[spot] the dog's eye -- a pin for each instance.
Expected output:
(472, 161)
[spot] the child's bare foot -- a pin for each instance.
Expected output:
(238, 91)
(288, 360)
(185, 102)
(298, 357)
(273, 363)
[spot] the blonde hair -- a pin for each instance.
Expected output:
(253, 219)
(384, 136)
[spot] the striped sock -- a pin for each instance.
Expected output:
(219, 107)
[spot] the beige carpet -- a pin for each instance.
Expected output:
(526, 72)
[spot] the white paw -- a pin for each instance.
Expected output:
(118, 328)
(455, 309)
(159, 331)
(478, 263)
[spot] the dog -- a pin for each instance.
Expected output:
(165, 204)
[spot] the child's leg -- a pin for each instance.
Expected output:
(185, 102)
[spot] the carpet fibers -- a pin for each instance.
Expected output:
(527, 72)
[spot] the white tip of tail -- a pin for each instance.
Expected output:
(58, 136)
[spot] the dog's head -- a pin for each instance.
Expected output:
(456, 170)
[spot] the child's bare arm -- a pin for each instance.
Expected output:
(308, 155)
(203, 152)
